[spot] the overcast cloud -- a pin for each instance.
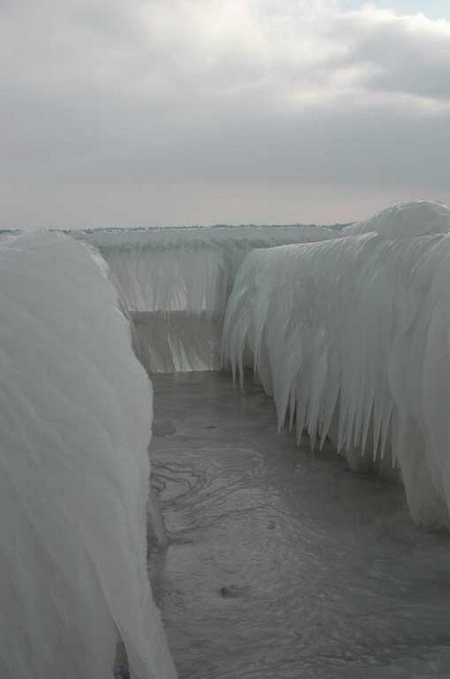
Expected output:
(130, 113)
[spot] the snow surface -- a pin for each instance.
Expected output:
(75, 425)
(357, 330)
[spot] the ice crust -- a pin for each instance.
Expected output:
(354, 334)
(75, 425)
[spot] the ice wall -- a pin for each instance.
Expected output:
(186, 269)
(182, 278)
(75, 425)
(357, 330)
(177, 341)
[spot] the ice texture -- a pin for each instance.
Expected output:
(177, 341)
(76, 410)
(353, 334)
(405, 220)
(187, 269)
(181, 278)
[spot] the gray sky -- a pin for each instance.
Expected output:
(132, 113)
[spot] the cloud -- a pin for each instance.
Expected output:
(403, 54)
(238, 90)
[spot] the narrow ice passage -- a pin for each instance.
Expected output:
(349, 333)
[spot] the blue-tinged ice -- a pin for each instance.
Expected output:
(75, 423)
(352, 338)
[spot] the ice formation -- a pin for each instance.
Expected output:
(187, 269)
(405, 220)
(183, 277)
(357, 330)
(75, 426)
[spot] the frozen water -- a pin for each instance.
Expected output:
(187, 269)
(75, 425)
(177, 341)
(349, 334)
(405, 220)
(356, 330)
(183, 277)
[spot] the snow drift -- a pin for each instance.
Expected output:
(357, 330)
(75, 425)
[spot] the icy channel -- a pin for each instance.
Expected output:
(282, 563)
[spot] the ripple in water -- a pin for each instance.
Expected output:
(284, 565)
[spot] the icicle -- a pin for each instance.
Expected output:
(190, 269)
(356, 324)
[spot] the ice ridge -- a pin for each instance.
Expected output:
(187, 269)
(76, 410)
(351, 336)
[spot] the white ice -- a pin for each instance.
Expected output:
(356, 331)
(76, 410)
(181, 278)
(405, 220)
(187, 269)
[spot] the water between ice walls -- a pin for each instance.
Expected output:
(354, 329)
(352, 338)
(75, 409)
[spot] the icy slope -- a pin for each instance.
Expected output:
(358, 329)
(75, 425)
